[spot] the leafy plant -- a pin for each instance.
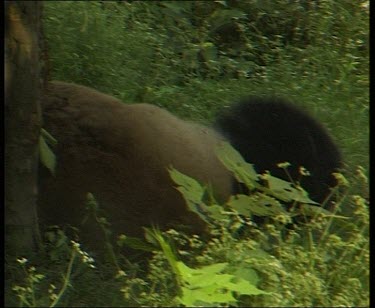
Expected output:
(29, 294)
(305, 256)
(266, 198)
(47, 157)
(205, 286)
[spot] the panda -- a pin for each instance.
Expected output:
(270, 130)
(121, 153)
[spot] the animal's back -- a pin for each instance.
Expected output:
(120, 153)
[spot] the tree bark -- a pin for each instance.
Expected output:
(22, 123)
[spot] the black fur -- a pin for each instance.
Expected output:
(267, 131)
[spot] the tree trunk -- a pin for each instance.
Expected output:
(22, 123)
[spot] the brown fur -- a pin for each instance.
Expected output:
(120, 153)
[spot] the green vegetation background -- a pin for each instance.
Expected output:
(193, 58)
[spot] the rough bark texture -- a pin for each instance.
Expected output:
(22, 123)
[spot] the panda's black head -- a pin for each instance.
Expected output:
(267, 131)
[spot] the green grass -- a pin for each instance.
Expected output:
(124, 50)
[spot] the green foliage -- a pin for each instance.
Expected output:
(29, 292)
(245, 173)
(321, 263)
(233, 161)
(205, 286)
(265, 198)
(193, 58)
(26, 293)
(300, 266)
(47, 157)
(191, 190)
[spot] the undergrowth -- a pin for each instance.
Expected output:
(321, 262)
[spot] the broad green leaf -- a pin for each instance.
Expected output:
(256, 204)
(207, 286)
(214, 211)
(246, 273)
(204, 297)
(243, 171)
(209, 269)
(48, 137)
(285, 191)
(47, 157)
(244, 287)
(191, 191)
(190, 188)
